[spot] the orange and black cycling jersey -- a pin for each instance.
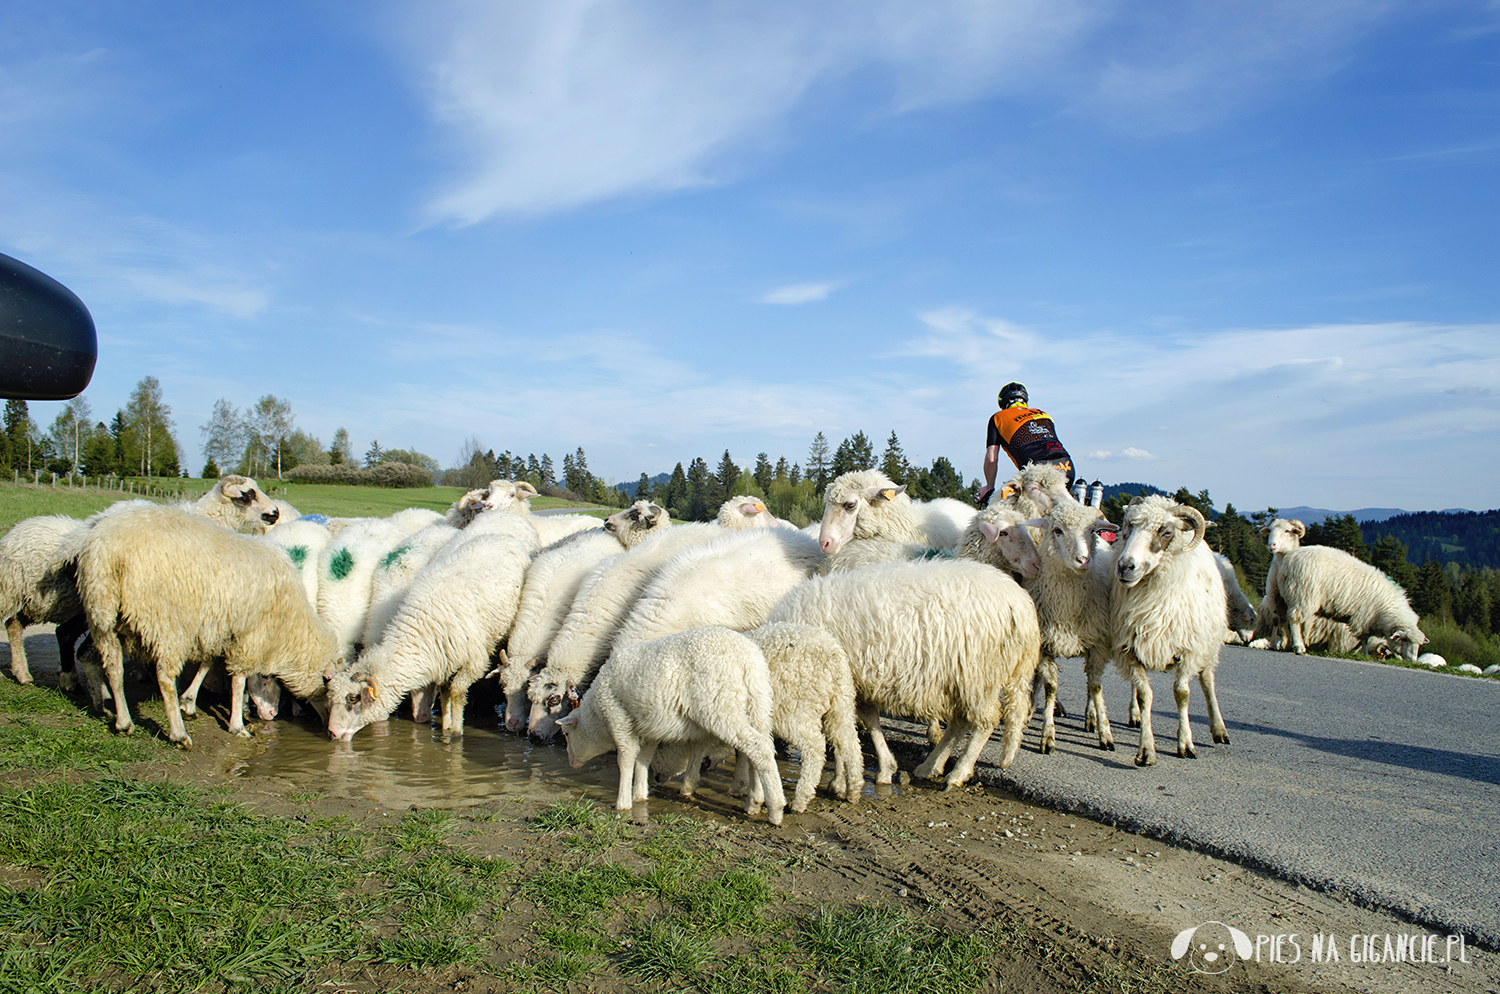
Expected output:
(1026, 434)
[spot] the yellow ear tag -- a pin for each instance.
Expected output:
(1008, 491)
(887, 495)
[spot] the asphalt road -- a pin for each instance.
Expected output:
(1375, 781)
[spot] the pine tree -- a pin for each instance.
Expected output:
(643, 488)
(338, 452)
(725, 478)
(818, 464)
(781, 468)
(763, 472)
(795, 476)
(374, 454)
(546, 472)
(675, 497)
(893, 462)
(698, 491)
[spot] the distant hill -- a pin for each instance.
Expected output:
(1469, 538)
(1317, 515)
(634, 485)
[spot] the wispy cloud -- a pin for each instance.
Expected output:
(798, 293)
(558, 105)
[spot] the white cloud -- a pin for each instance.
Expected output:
(798, 293)
(552, 106)
(1134, 453)
(1100, 454)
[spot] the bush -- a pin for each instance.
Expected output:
(387, 474)
(1458, 646)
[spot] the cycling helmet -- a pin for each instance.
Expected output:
(1012, 394)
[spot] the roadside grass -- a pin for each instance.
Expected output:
(27, 501)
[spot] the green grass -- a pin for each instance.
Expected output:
(893, 951)
(26, 501)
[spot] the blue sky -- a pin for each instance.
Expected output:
(1243, 246)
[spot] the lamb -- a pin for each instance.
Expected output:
(699, 687)
(174, 587)
(951, 640)
(1166, 613)
(551, 585)
(605, 598)
(515, 496)
(1319, 580)
(457, 610)
(1072, 595)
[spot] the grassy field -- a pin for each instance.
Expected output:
(26, 500)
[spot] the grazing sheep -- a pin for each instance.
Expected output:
(457, 610)
(1321, 581)
(732, 581)
(552, 584)
(698, 687)
(36, 587)
(1072, 595)
(173, 588)
(948, 640)
(1166, 613)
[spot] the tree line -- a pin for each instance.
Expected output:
(138, 441)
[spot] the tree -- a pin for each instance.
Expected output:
(795, 476)
(1341, 532)
(697, 490)
(546, 475)
(271, 421)
(18, 432)
(763, 473)
(374, 454)
(474, 468)
(643, 488)
(224, 435)
(70, 430)
(150, 420)
(781, 468)
(576, 475)
(854, 454)
(1389, 555)
(725, 478)
(1432, 594)
(99, 452)
(674, 496)
(817, 463)
(338, 451)
(893, 462)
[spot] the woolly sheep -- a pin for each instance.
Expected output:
(1166, 613)
(864, 505)
(396, 570)
(743, 511)
(456, 611)
(346, 574)
(236, 501)
(605, 598)
(36, 587)
(1072, 595)
(1282, 536)
(1239, 616)
(997, 537)
(175, 588)
(950, 640)
(943, 520)
(732, 581)
(302, 541)
(1034, 490)
(1319, 580)
(701, 686)
(551, 585)
(515, 496)
(1432, 659)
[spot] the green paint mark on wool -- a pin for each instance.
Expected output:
(341, 564)
(298, 554)
(394, 556)
(927, 554)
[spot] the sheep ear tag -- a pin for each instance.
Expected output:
(1008, 491)
(1108, 535)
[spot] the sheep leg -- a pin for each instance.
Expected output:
(14, 628)
(1016, 702)
(1048, 673)
(455, 699)
(112, 656)
(886, 769)
(1182, 691)
(1094, 674)
(67, 644)
(937, 759)
(812, 750)
(190, 696)
(1294, 635)
(848, 760)
(934, 731)
(237, 705)
(1216, 725)
(642, 785)
(761, 753)
(1141, 684)
(1135, 709)
(979, 737)
(693, 774)
(625, 754)
(176, 730)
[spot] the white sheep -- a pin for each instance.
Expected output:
(702, 686)
(1321, 581)
(346, 574)
(36, 587)
(303, 541)
(1166, 613)
(947, 640)
(943, 520)
(1432, 659)
(552, 584)
(457, 610)
(1282, 536)
(515, 496)
(175, 588)
(1239, 618)
(235, 501)
(867, 507)
(395, 572)
(1072, 594)
(1034, 490)
(744, 511)
(998, 537)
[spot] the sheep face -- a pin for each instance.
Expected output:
(353, 702)
(635, 522)
(586, 734)
(551, 699)
(844, 508)
(1407, 644)
(1011, 537)
(1075, 532)
(509, 495)
(1153, 529)
(265, 693)
(1282, 535)
(254, 505)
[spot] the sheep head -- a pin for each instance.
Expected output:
(1154, 528)
(1075, 531)
(1045, 485)
(636, 522)
(1407, 644)
(587, 735)
(1282, 535)
(1005, 531)
(744, 512)
(242, 492)
(353, 702)
(850, 504)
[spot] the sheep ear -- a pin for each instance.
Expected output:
(328, 674)
(1265, 532)
(884, 493)
(656, 510)
(567, 721)
(1037, 523)
(1135, 500)
(751, 510)
(1008, 491)
(989, 530)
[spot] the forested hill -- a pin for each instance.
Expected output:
(1469, 538)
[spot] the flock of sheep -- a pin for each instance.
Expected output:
(667, 643)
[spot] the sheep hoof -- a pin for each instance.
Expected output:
(1222, 738)
(1188, 753)
(1145, 759)
(1061, 712)
(242, 732)
(1107, 745)
(186, 742)
(1046, 748)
